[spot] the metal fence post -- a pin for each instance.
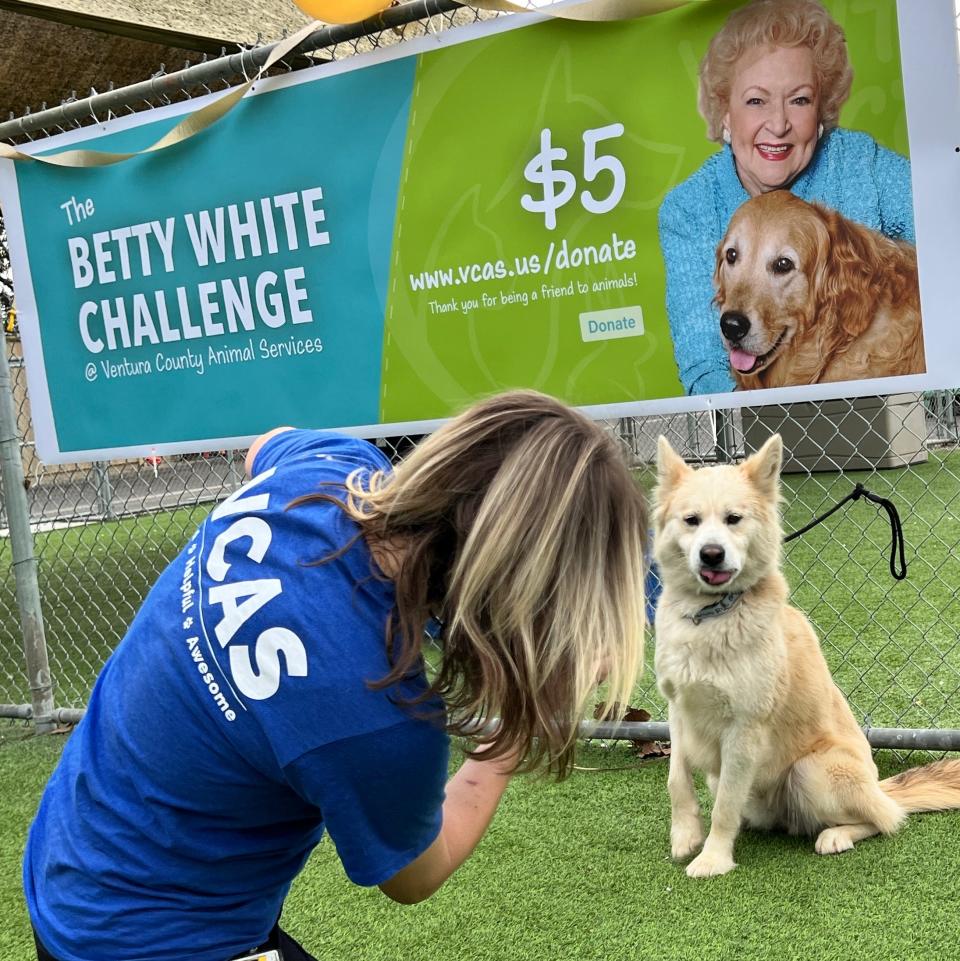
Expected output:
(725, 450)
(236, 476)
(24, 561)
(101, 474)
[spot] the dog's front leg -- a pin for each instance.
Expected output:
(686, 827)
(738, 753)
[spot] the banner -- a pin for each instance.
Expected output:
(374, 243)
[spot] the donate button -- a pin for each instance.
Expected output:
(610, 324)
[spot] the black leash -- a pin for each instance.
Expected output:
(896, 528)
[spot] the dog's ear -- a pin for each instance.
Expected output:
(671, 467)
(763, 468)
(847, 294)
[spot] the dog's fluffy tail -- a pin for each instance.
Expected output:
(933, 787)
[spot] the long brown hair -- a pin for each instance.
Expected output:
(524, 531)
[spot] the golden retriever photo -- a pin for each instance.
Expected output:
(751, 700)
(807, 296)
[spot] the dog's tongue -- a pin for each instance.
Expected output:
(741, 360)
(715, 577)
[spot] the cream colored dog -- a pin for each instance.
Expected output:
(752, 702)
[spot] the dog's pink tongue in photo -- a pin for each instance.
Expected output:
(715, 577)
(741, 360)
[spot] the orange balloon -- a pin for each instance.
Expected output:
(341, 11)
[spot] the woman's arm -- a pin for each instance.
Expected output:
(688, 256)
(255, 448)
(895, 193)
(472, 797)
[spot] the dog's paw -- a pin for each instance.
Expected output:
(709, 865)
(685, 839)
(834, 841)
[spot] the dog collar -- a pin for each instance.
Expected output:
(727, 602)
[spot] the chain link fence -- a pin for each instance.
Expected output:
(103, 532)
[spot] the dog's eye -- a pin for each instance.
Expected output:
(691, 520)
(731, 255)
(783, 265)
(733, 519)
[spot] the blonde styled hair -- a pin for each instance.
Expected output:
(775, 23)
(524, 531)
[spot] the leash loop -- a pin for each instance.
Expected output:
(898, 561)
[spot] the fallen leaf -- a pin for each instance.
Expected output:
(619, 714)
(648, 750)
(645, 750)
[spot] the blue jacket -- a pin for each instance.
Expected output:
(849, 172)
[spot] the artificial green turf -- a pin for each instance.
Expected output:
(25, 765)
(580, 870)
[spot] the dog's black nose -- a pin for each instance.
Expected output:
(712, 555)
(735, 326)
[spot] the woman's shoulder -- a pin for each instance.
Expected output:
(300, 449)
(701, 188)
(857, 146)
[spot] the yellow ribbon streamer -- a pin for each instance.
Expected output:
(198, 120)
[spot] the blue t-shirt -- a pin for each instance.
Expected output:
(230, 727)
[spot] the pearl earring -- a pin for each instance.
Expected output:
(726, 135)
(819, 131)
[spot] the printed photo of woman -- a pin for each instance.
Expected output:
(771, 88)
